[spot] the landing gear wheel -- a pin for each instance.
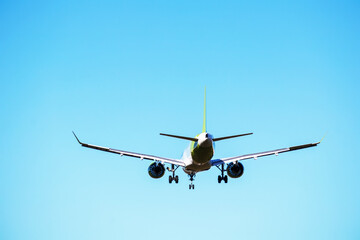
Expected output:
(222, 176)
(193, 186)
(191, 178)
(172, 177)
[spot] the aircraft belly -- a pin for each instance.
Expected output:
(194, 168)
(200, 160)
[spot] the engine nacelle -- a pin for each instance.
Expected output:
(156, 170)
(235, 170)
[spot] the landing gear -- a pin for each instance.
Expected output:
(191, 185)
(222, 176)
(173, 177)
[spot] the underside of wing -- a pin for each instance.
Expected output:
(132, 154)
(220, 161)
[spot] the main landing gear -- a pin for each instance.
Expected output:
(173, 177)
(191, 185)
(222, 176)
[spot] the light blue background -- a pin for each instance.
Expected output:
(119, 73)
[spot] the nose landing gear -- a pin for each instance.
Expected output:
(191, 185)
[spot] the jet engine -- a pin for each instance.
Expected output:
(156, 170)
(235, 170)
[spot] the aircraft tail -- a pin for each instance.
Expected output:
(181, 137)
(204, 120)
(227, 137)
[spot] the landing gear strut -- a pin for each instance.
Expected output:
(222, 176)
(191, 185)
(173, 177)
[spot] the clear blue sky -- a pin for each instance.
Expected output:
(119, 73)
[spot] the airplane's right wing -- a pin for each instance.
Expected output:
(220, 161)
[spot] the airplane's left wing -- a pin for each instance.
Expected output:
(220, 161)
(132, 154)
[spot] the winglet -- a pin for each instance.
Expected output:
(77, 138)
(322, 138)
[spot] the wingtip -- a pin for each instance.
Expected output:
(322, 138)
(76, 137)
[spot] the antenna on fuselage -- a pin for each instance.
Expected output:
(204, 121)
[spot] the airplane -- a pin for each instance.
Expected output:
(198, 156)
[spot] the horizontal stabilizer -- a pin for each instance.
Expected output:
(240, 135)
(181, 137)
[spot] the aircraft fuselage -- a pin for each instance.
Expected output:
(197, 157)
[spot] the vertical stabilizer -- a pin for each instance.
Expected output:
(204, 121)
